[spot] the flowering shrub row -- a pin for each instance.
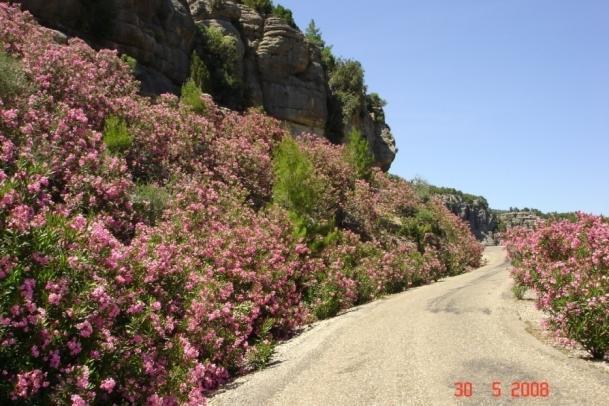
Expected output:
(567, 264)
(142, 256)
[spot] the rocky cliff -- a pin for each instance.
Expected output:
(482, 221)
(276, 66)
(160, 34)
(511, 219)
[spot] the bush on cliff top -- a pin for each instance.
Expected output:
(154, 274)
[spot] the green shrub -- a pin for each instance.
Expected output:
(425, 190)
(375, 105)
(131, 61)
(149, 201)
(296, 187)
(418, 226)
(285, 14)
(199, 73)
(13, 80)
(359, 155)
(264, 348)
(116, 135)
(328, 301)
(348, 77)
(519, 290)
(264, 7)
(589, 326)
(191, 96)
(220, 64)
(346, 81)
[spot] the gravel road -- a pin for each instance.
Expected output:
(411, 348)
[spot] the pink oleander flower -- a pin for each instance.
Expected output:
(85, 329)
(108, 385)
(77, 400)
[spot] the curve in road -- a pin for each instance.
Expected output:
(411, 349)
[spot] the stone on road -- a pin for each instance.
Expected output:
(411, 349)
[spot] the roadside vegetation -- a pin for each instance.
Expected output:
(152, 249)
(567, 264)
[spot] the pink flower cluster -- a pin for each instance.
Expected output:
(101, 305)
(567, 264)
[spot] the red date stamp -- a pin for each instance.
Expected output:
(517, 389)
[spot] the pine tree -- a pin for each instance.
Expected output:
(313, 34)
(359, 155)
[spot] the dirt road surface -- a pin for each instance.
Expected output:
(411, 349)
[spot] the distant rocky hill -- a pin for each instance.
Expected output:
(517, 218)
(266, 60)
(485, 223)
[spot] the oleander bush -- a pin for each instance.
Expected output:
(567, 264)
(150, 250)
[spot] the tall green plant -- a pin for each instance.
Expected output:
(300, 190)
(191, 96)
(199, 72)
(116, 135)
(295, 188)
(13, 80)
(359, 155)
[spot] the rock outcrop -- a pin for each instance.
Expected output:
(281, 71)
(278, 68)
(158, 33)
(511, 219)
(482, 221)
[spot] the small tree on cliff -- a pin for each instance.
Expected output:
(313, 34)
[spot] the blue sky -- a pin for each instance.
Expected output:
(504, 98)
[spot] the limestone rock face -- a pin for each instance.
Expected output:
(380, 139)
(158, 33)
(276, 66)
(293, 80)
(278, 70)
(482, 221)
(525, 219)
